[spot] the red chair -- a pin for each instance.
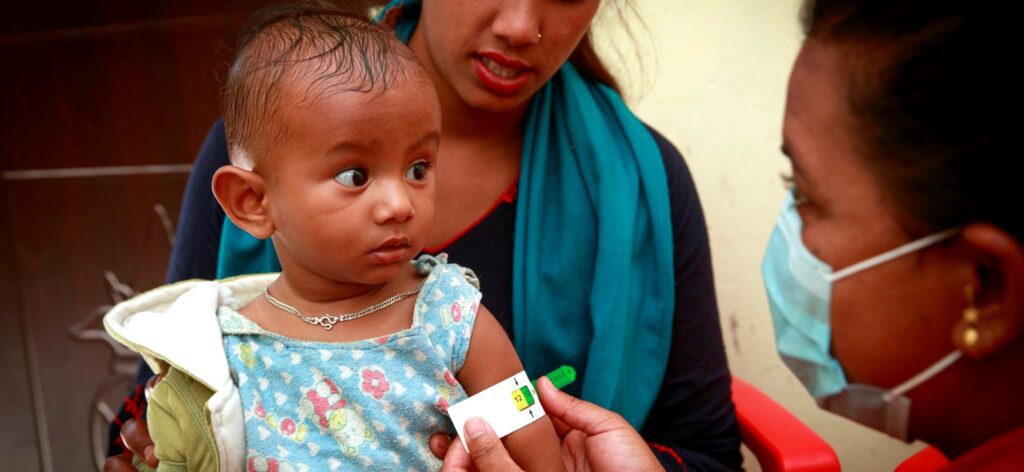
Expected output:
(928, 459)
(780, 441)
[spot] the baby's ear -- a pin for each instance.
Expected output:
(241, 194)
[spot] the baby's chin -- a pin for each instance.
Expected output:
(379, 274)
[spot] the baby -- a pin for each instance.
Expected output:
(350, 356)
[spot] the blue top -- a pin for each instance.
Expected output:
(369, 404)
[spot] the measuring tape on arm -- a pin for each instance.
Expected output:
(508, 405)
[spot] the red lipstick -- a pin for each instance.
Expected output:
(500, 74)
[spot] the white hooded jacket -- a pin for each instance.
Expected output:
(176, 325)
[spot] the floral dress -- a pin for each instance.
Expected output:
(369, 404)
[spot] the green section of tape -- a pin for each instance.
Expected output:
(560, 377)
(527, 395)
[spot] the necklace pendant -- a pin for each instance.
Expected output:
(327, 322)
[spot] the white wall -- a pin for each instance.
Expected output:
(714, 82)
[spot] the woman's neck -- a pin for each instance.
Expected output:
(975, 402)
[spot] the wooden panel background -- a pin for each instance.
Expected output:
(94, 85)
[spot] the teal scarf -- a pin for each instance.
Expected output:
(593, 282)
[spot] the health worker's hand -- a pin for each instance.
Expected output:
(593, 438)
(486, 452)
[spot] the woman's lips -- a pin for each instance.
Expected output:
(500, 74)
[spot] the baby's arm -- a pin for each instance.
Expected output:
(178, 425)
(491, 359)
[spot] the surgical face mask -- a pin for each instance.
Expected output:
(799, 289)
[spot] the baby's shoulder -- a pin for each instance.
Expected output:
(447, 306)
(444, 276)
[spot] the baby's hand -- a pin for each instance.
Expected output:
(439, 444)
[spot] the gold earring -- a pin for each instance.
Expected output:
(971, 316)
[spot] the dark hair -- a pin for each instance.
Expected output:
(937, 94)
(589, 64)
(328, 50)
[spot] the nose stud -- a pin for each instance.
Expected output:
(539, 36)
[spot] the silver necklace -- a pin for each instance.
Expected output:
(328, 321)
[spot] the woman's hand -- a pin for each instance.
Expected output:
(486, 451)
(135, 436)
(593, 438)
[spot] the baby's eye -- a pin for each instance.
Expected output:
(352, 178)
(418, 171)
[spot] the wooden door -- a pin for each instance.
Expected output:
(104, 105)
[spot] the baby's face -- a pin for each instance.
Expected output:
(350, 184)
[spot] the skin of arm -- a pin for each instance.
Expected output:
(491, 359)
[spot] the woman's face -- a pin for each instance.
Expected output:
(493, 55)
(894, 320)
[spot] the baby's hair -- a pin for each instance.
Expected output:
(325, 49)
